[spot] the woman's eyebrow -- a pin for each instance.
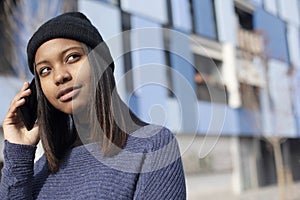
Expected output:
(70, 48)
(39, 63)
(63, 52)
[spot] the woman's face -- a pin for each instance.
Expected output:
(64, 74)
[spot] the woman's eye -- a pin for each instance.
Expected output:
(72, 58)
(44, 70)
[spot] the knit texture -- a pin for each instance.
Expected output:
(149, 167)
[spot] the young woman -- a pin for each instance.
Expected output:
(95, 147)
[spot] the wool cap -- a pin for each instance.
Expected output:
(71, 25)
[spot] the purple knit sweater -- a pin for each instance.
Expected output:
(149, 167)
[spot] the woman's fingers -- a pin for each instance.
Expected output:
(13, 126)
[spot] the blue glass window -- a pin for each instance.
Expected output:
(204, 18)
(274, 31)
(181, 16)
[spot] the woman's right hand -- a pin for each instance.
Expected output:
(13, 126)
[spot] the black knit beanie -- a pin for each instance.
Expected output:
(72, 25)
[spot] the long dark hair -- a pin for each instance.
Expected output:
(110, 119)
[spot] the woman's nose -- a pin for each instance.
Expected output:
(62, 76)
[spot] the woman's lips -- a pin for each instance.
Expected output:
(68, 94)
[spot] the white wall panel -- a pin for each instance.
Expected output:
(107, 20)
(174, 117)
(288, 10)
(296, 98)
(271, 6)
(257, 2)
(280, 85)
(229, 75)
(226, 23)
(293, 44)
(149, 70)
(154, 9)
(146, 43)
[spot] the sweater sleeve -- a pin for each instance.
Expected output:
(17, 173)
(162, 175)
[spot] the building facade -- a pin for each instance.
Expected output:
(223, 75)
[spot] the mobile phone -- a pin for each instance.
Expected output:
(28, 111)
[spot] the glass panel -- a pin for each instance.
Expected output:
(245, 19)
(181, 14)
(204, 18)
(209, 86)
(274, 33)
(250, 96)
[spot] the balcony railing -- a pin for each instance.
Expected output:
(250, 42)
